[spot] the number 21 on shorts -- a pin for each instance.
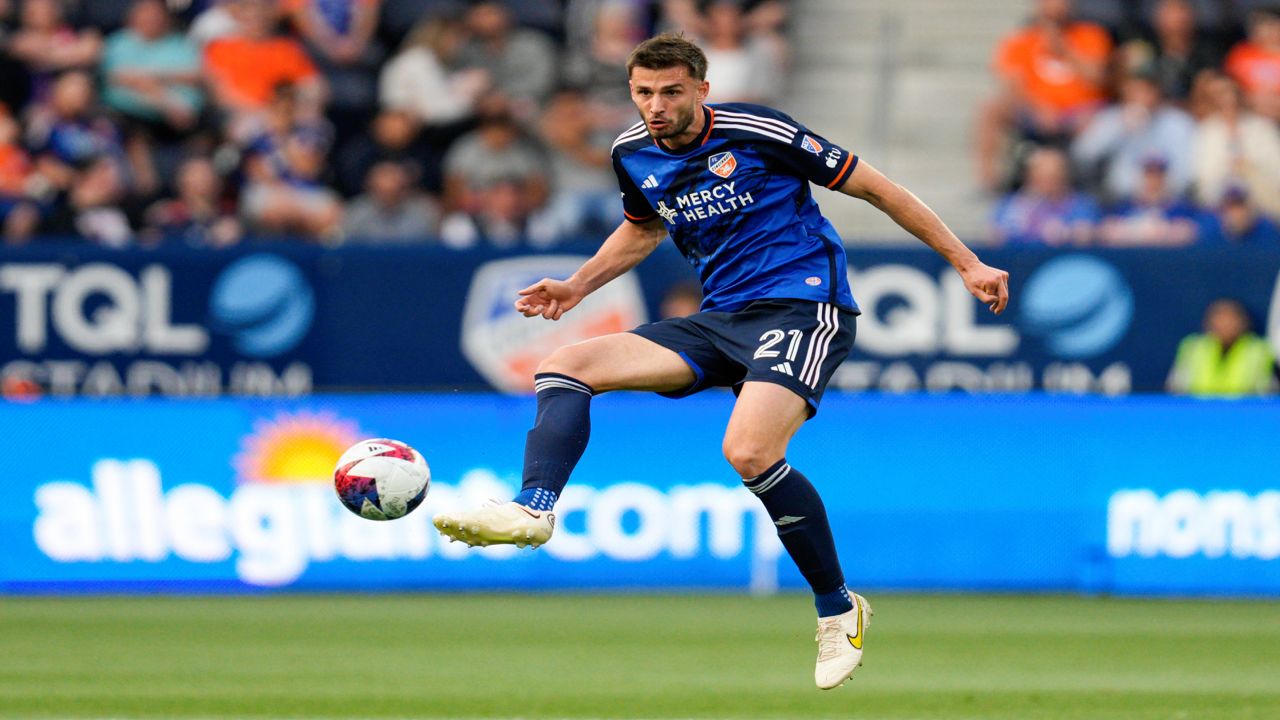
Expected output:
(774, 337)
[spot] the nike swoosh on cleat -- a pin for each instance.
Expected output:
(856, 640)
(532, 513)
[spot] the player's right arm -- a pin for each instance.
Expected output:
(621, 251)
(988, 284)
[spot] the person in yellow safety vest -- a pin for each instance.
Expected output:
(1227, 360)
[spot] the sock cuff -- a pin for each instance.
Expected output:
(769, 478)
(551, 381)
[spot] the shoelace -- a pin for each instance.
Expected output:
(830, 639)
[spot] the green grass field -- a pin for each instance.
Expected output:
(574, 656)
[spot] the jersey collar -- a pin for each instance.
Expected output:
(709, 122)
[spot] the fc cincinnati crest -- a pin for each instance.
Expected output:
(722, 164)
(811, 145)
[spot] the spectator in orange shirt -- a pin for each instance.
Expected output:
(1255, 63)
(1052, 77)
(244, 69)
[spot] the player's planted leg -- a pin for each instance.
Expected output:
(764, 419)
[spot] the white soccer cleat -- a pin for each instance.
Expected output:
(840, 644)
(498, 523)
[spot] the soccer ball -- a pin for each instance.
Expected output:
(381, 479)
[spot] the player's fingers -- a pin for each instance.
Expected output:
(551, 310)
(1002, 293)
(536, 287)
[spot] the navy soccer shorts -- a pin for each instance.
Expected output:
(794, 343)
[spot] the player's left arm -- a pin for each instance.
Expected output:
(988, 284)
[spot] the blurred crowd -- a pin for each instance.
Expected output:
(1156, 125)
(144, 122)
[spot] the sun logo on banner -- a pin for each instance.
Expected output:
(299, 447)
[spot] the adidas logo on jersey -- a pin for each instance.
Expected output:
(784, 368)
(649, 183)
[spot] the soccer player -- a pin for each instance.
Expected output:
(730, 184)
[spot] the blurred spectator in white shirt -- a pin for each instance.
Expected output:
(739, 69)
(420, 78)
(1234, 146)
(1118, 139)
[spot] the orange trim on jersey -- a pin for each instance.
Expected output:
(840, 174)
(633, 218)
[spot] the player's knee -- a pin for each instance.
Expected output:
(568, 360)
(748, 458)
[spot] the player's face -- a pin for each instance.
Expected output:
(669, 101)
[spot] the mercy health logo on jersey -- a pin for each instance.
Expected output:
(698, 205)
(928, 330)
(104, 329)
(722, 164)
(281, 518)
(1184, 523)
(505, 347)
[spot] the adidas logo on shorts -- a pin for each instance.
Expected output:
(784, 368)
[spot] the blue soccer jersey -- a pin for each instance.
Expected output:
(737, 203)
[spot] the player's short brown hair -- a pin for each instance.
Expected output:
(669, 50)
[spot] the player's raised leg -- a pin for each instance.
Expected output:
(764, 419)
(565, 384)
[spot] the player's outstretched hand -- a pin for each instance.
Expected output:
(548, 298)
(988, 284)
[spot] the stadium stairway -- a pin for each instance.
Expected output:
(900, 84)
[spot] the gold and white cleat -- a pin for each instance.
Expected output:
(840, 644)
(496, 523)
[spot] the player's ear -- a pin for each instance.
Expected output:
(704, 87)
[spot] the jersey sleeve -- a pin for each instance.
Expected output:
(634, 205)
(812, 156)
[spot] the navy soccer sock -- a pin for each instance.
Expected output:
(801, 519)
(558, 438)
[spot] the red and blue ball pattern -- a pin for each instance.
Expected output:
(357, 488)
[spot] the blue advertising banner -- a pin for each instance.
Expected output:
(1133, 495)
(286, 320)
